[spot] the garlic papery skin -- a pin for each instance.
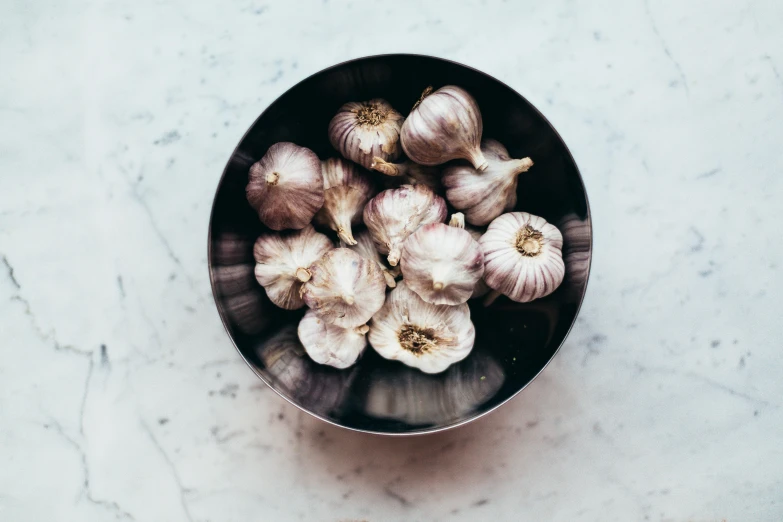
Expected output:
(443, 126)
(363, 130)
(346, 192)
(483, 196)
(344, 289)
(522, 256)
(481, 287)
(422, 335)
(442, 263)
(329, 344)
(365, 247)
(395, 214)
(285, 187)
(282, 262)
(409, 173)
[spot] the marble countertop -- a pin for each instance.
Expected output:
(122, 398)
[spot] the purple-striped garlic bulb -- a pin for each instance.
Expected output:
(363, 130)
(442, 263)
(483, 196)
(443, 126)
(395, 214)
(346, 192)
(344, 288)
(330, 344)
(282, 262)
(286, 186)
(420, 334)
(522, 256)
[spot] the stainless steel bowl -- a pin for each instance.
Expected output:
(514, 342)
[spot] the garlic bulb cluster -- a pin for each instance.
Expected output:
(282, 262)
(395, 214)
(365, 247)
(361, 131)
(344, 288)
(442, 263)
(422, 335)
(342, 272)
(285, 187)
(484, 195)
(346, 192)
(522, 256)
(443, 126)
(330, 344)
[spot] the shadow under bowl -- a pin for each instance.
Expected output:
(514, 341)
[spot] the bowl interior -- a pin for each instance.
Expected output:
(513, 341)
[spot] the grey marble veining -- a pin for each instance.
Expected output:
(121, 397)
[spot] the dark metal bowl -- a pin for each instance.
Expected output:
(514, 341)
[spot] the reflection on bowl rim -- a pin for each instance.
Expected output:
(424, 431)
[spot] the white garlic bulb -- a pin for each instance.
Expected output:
(329, 344)
(443, 126)
(442, 263)
(286, 187)
(409, 173)
(483, 196)
(282, 262)
(344, 289)
(522, 256)
(365, 247)
(394, 214)
(363, 130)
(346, 192)
(422, 335)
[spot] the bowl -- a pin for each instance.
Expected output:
(514, 341)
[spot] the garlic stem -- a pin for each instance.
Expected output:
(344, 233)
(303, 274)
(437, 285)
(521, 165)
(476, 157)
(424, 94)
(394, 255)
(348, 299)
(390, 281)
(491, 296)
(390, 169)
(457, 220)
(362, 330)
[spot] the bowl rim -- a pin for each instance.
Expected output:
(425, 431)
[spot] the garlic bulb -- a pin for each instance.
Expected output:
(394, 214)
(409, 173)
(346, 192)
(483, 196)
(366, 248)
(522, 256)
(345, 289)
(443, 126)
(282, 262)
(363, 130)
(329, 344)
(422, 335)
(442, 263)
(286, 186)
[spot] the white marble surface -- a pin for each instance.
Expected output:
(122, 398)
